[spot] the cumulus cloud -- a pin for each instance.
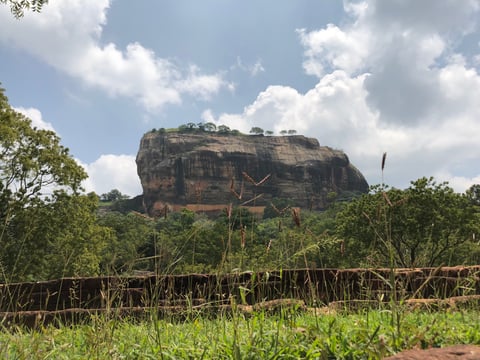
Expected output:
(392, 77)
(67, 36)
(106, 173)
(110, 172)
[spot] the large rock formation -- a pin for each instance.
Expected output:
(210, 170)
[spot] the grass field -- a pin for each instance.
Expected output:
(289, 334)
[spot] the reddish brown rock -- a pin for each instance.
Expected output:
(456, 352)
(193, 169)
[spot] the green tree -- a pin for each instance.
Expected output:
(256, 130)
(18, 7)
(427, 224)
(68, 239)
(292, 132)
(126, 206)
(278, 207)
(130, 233)
(473, 194)
(283, 132)
(191, 126)
(113, 195)
(223, 129)
(47, 226)
(210, 127)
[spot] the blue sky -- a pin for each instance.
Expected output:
(366, 77)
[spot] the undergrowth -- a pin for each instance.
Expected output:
(288, 335)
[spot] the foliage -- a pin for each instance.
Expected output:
(288, 132)
(288, 335)
(125, 206)
(238, 218)
(73, 240)
(473, 194)
(278, 207)
(129, 232)
(223, 129)
(353, 231)
(207, 127)
(47, 227)
(184, 242)
(18, 7)
(210, 127)
(427, 224)
(256, 130)
(113, 195)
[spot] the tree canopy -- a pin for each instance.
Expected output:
(113, 195)
(47, 225)
(256, 130)
(427, 224)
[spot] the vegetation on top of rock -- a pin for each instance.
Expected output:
(209, 127)
(113, 195)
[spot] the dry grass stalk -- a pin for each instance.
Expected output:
(278, 211)
(385, 196)
(252, 199)
(269, 245)
(228, 210)
(249, 179)
(232, 190)
(263, 180)
(296, 217)
(243, 235)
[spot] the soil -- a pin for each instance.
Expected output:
(465, 352)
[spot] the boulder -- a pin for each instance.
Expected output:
(209, 170)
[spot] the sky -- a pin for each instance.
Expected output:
(366, 77)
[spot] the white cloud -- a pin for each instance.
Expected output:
(106, 173)
(67, 36)
(333, 48)
(201, 85)
(36, 116)
(459, 183)
(110, 172)
(392, 78)
(253, 70)
(257, 68)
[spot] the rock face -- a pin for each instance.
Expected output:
(210, 170)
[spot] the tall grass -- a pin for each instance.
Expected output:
(286, 335)
(289, 331)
